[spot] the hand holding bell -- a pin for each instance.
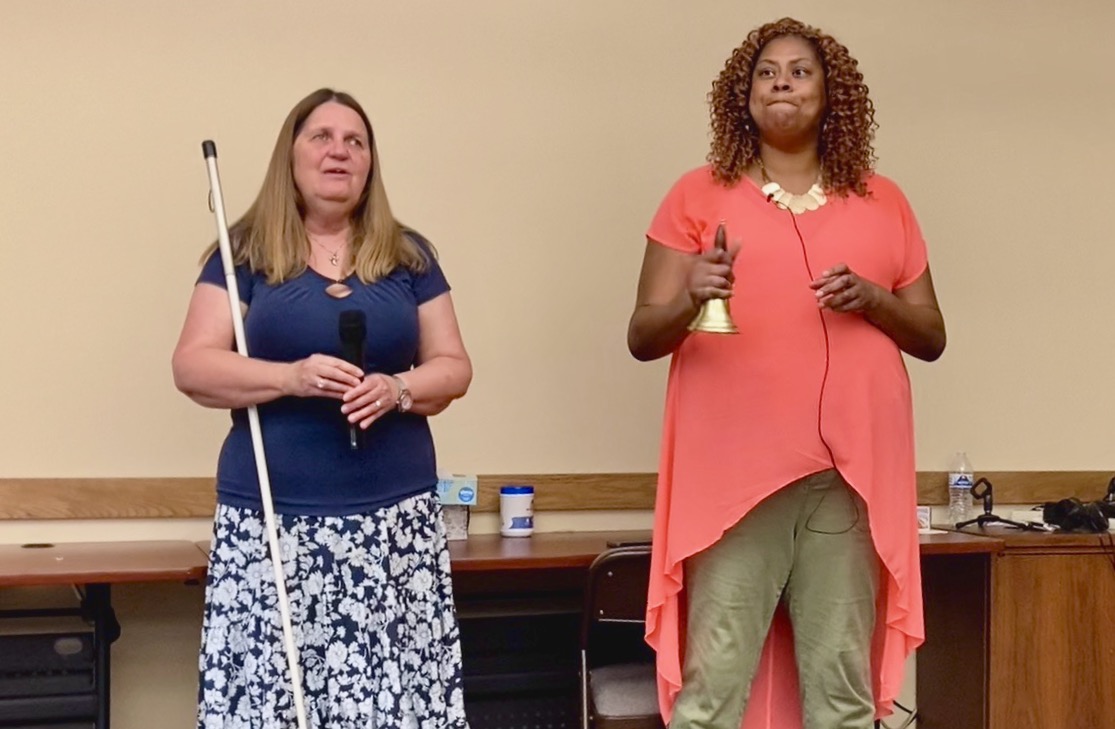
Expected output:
(715, 317)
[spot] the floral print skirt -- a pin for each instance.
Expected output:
(372, 607)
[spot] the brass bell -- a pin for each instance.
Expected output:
(715, 317)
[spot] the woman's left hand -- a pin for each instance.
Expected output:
(367, 402)
(840, 289)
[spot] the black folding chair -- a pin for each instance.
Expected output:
(618, 681)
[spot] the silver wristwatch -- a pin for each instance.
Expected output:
(405, 400)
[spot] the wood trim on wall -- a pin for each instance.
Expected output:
(1021, 487)
(185, 498)
(106, 498)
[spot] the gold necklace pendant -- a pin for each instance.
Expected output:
(812, 199)
(334, 256)
(337, 289)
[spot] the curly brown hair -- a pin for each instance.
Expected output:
(847, 128)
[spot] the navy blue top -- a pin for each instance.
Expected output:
(312, 469)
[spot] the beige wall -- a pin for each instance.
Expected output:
(531, 141)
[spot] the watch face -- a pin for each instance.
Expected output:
(405, 400)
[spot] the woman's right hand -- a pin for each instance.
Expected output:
(710, 276)
(672, 287)
(320, 375)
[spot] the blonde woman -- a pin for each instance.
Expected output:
(367, 565)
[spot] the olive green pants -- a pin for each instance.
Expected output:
(808, 545)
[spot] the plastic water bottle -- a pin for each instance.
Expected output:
(960, 484)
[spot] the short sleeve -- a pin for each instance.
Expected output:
(213, 272)
(431, 283)
(915, 258)
(675, 225)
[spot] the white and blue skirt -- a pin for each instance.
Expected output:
(372, 607)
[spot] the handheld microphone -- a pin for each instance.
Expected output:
(354, 330)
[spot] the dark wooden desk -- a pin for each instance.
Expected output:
(94, 567)
(519, 601)
(547, 551)
(519, 607)
(541, 579)
(1051, 643)
(577, 549)
(953, 664)
(86, 563)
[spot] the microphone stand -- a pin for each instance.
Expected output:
(217, 205)
(988, 517)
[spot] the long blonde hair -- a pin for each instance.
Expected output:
(271, 238)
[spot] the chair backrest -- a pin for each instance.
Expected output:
(616, 590)
(614, 614)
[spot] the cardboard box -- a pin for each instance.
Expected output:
(457, 494)
(457, 490)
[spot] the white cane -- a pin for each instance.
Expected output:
(209, 149)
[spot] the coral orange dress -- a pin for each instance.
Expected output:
(742, 412)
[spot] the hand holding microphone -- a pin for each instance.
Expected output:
(353, 328)
(373, 396)
(320, 375)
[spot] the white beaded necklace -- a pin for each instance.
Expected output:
(812, 199)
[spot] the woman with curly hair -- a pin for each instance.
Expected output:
(786, 493)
